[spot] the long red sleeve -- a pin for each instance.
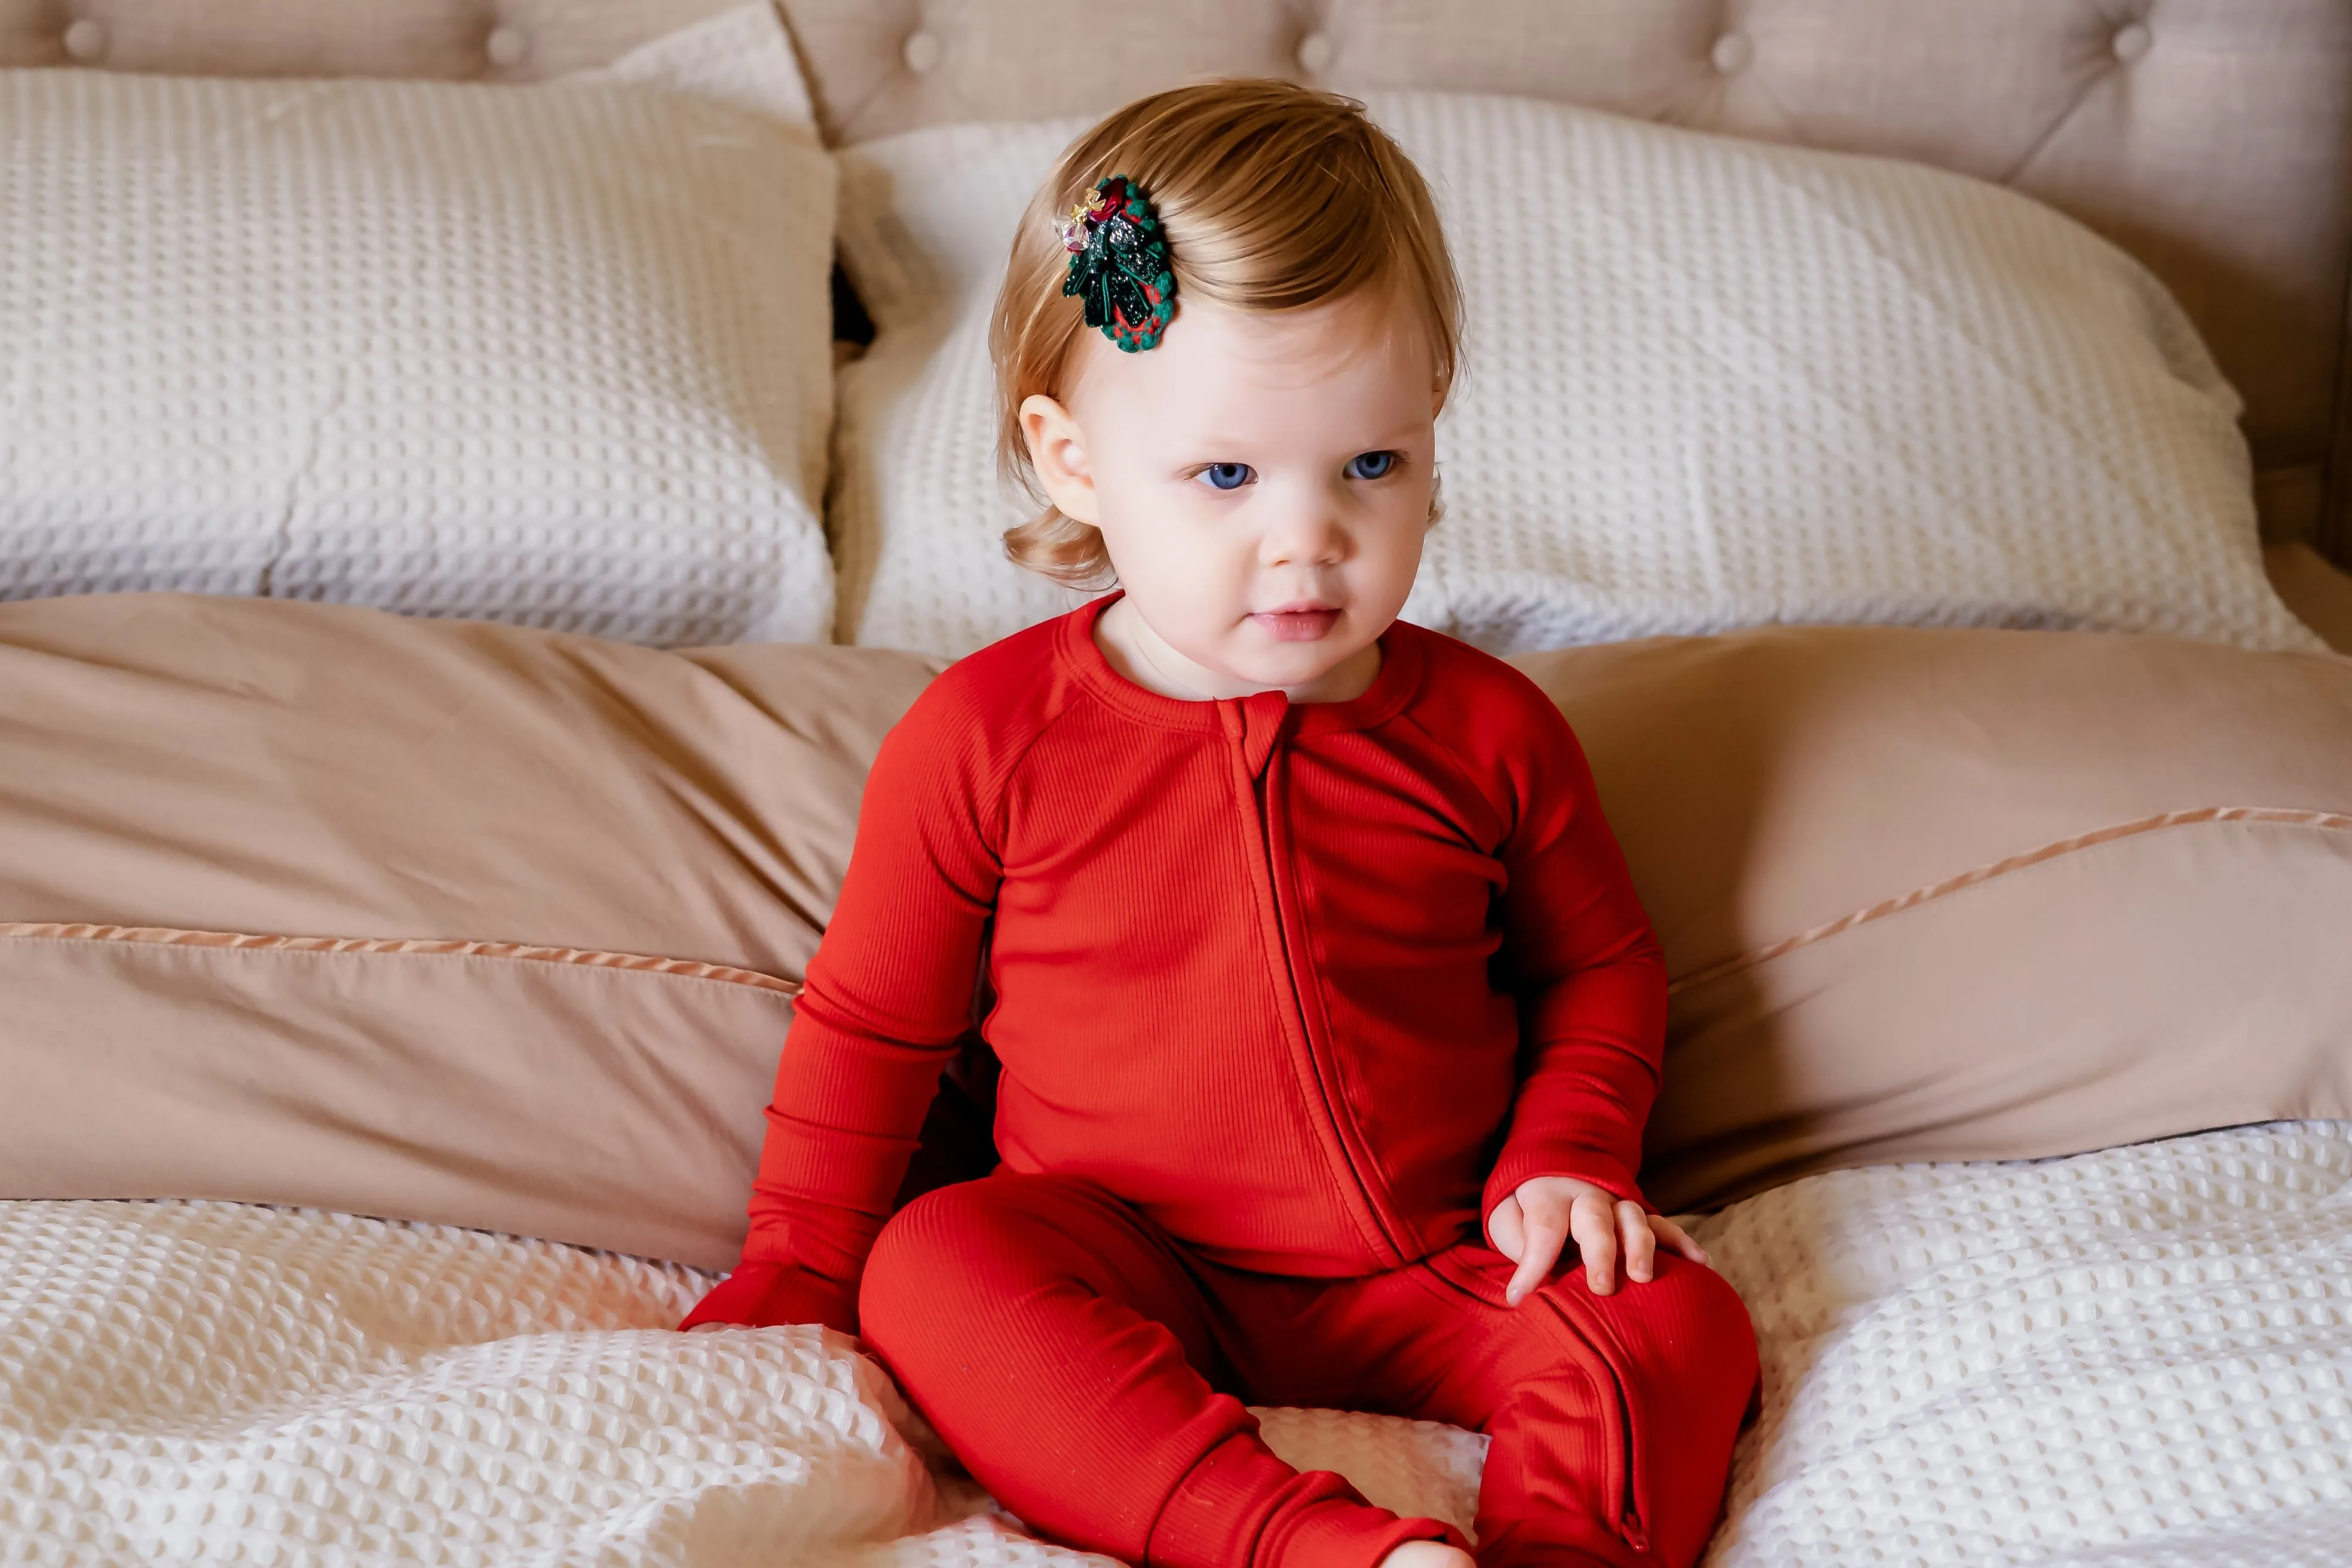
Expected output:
(1284, 978)
(1591, 982)
(885, 1001)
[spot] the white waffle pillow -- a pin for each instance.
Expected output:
(553, 354)
(1710, 383)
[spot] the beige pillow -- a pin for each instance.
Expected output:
(473, 925)
(427, 920)
(1946, 895)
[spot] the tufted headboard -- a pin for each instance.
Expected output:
(429, 40)
(2211, 137)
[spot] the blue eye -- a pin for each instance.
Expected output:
(1370, 465)
(1227, 476)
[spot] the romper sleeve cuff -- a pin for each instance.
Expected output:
(1519, 1166)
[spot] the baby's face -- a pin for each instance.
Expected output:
(1262, 483)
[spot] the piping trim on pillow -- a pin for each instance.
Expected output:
(167, 936)
(694, 969)
(2332, 821)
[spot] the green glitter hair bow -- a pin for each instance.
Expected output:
(1118, 264)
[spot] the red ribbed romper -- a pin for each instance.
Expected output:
(1287, 998)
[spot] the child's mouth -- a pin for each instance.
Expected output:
(1297, 622)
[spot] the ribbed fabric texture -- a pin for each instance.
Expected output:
(1089, 1370)
(1263, 971)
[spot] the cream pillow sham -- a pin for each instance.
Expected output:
(1710, 383)
(555, 354)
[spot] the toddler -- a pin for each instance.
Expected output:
(1327, 1015)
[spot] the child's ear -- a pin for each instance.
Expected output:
(1058, 450)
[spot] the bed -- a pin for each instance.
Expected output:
(2129, 1357)
(356, 1327)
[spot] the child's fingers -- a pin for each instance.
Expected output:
(1546, 1233)
(1678, 1239)
(1634, 1228)
(1508, 1229)
(1593, 1223)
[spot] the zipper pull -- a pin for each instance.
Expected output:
(1254, 723)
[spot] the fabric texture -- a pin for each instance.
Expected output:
(1386, 945)
(432, 920)
(1950, 894)
(1921, 894)
(1089, 1370)
(1971, 895)
(1708, 384)
(523, 40)
(2125, 1360)
(553, 354)
(2208, 137)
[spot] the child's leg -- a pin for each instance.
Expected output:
(1665, 1373)
(1053, 1336)
(1611, 1416)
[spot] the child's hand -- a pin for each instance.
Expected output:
(1535, 1223)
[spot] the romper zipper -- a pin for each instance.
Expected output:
(1625, 1483)
(1321, 1095)
(1630, 1525)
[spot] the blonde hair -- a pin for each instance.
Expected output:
(1272, 197)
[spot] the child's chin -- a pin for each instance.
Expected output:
(1293, 664)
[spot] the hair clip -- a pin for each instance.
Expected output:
(1119, 264)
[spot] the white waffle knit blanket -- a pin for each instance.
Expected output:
(2134, 1357)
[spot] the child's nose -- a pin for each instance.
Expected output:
(1308, 535)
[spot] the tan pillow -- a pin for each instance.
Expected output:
(504, 925)
(1974, 895)
(428, 919)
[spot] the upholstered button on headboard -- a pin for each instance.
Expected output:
(436, 40)
(2212, 138)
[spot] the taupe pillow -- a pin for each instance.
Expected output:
(1974, 895)
(428, 919)
(468, 923)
